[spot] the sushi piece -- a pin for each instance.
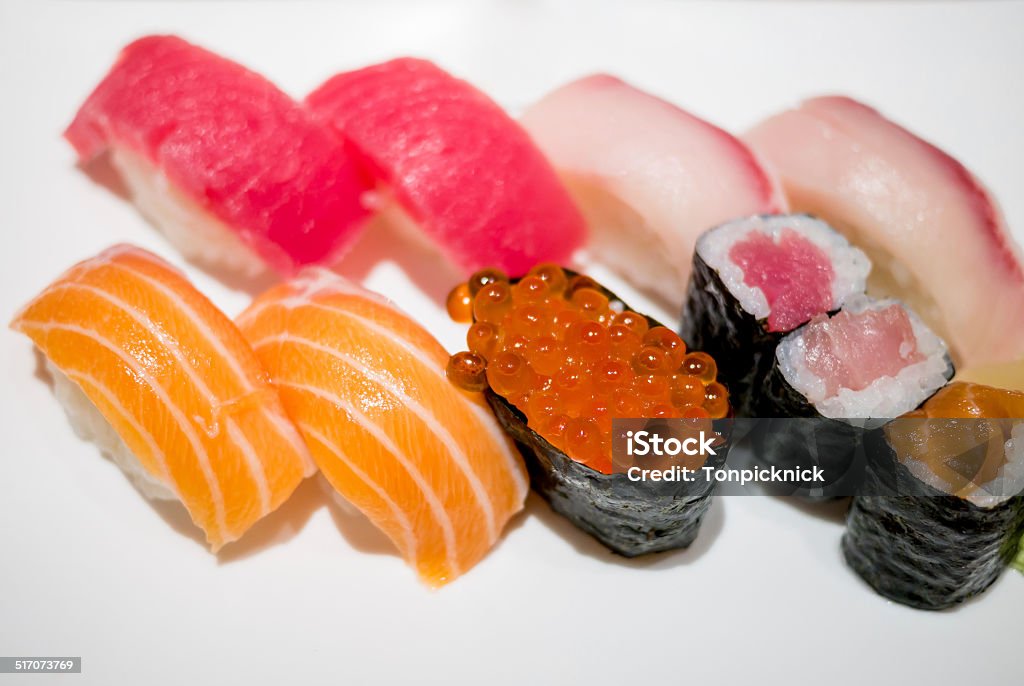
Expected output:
(649, 177)
(366, 386)
(845, 373)
(463, 170)
(946, 526)
(872, 359)
(230, 168)
(917, 212)
(559, 358)
(169, 389)
(756, 279)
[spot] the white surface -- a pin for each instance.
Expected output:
(88, 568)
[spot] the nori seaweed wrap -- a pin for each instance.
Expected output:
(845, 374)
(630, 517)
(942, 512)
(756, 279)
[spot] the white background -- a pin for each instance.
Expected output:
(313, 595)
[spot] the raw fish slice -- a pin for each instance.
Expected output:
(852, 350)
(456, 162)
(178, 384)
(934, 234)
(220, 159)
(649, 177)
(366, 386)
(872, 359)
(794, 275)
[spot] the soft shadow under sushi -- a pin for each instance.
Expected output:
(277, 527)
(358, 531)
(583, 543)
(833, 511)
(390, 237)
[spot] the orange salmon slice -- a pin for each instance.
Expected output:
(366, 387)
(178, 383)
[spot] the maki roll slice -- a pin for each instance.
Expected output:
(842, 374)
(758, 278)
(872, 359)
(559, 357)
(947, 525)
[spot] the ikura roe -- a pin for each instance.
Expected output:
(554, 345)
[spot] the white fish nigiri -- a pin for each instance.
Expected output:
(936, 237)
(649, 177)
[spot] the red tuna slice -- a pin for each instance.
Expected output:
(794, 274)
(649, 177)
(852, 350)
(457, 163)
(934, 234)
(220, 159)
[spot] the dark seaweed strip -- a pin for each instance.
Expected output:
(714, 321)
(781, 442)
(630, 518)
(927, 550)
(833, 444)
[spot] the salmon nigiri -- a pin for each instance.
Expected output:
(367, 389)
(168, 386)
(220, 159)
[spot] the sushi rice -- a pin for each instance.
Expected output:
(90, 425)
(196, 233)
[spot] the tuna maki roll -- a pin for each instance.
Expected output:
(559, 357)
(947, 525)
(872, 359)
(754, 280)
(844, 373)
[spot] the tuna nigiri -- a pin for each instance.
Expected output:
(935, 235)
(460, 167)
(168, 386)
(649, 177)
(367, 388)
(221, 160)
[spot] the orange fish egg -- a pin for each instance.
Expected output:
(552, 275)
(632, 320)
(460, 304)
(484, 277)
(669, 341)
(700, 365)
(468, 370)
(530, 289)
(482, 338)
(492, 302)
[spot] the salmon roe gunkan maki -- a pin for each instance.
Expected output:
(554, 346)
